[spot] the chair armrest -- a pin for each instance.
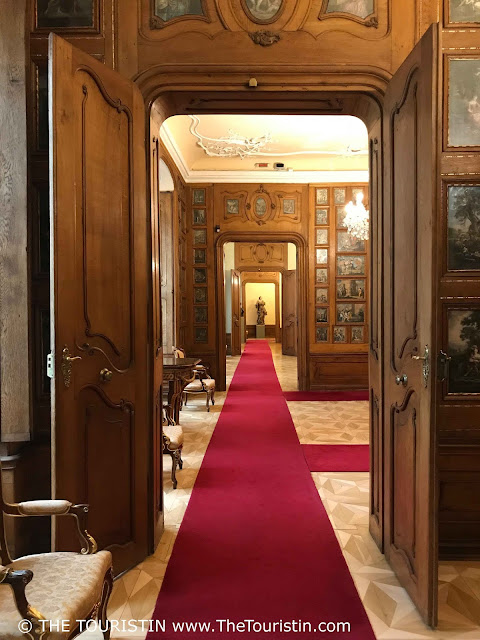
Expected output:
(18, 581)
(44, 507)
(57, 508)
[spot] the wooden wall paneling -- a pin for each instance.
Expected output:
(183, 277)
(459, 506)
(328, 335)
(202, 308)
(459, 281)
(367, 42)
(289, 312)
(266, 223)
(15, 384)
(251, 255)
(97, 35)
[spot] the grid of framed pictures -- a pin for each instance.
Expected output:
(322, 246)
(200, 272)
(340, 269)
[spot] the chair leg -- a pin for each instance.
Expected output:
(213, 397)
(180, 461)
(208, 400)
(174, 468)
(105, 624)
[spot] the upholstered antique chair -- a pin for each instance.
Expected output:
(172, 442)
(203, 382)
(52, 588)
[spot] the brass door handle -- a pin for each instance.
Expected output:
(426, 365)
(66, 367)
(401, 380)
(106, 375)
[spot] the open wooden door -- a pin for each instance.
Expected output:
(410, 127)
(289, 313)
(236, 329)
(101, 411)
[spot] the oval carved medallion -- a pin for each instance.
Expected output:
(260, 207)
(263, 11)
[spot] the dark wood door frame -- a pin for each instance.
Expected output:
(302, 283)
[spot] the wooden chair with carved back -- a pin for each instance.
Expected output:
(203, 383)
(172, 442)
(43, 596)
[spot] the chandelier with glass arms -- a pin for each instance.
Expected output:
(357, 219)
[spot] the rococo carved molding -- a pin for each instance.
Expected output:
(264, 38)
(285, 18)
(262, 13)
(158, 22)
(370, 20)
(261, 206)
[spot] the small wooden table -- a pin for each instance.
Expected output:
(178, 372)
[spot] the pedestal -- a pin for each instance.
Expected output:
(260, 331)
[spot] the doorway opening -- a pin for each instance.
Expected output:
(261, 299)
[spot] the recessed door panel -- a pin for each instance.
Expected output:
(410, 207)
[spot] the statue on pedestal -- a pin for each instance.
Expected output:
(261, 310)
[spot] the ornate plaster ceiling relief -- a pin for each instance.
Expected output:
(230, 145)
(268, 148)
(234, 144)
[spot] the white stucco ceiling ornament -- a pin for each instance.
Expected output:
(231, 145)
(235, 145)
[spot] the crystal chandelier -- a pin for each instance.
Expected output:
(357, 218)
(231, 145)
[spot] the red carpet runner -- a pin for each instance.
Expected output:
(256, 543)
(337, 457)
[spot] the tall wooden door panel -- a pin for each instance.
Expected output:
(236, 329)
(101, 414)
(410, 126)
(289, 313)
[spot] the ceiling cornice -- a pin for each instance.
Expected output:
(174, 152)
(277, 177)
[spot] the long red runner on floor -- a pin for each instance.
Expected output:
(337, 457)
(255, 542)
(325, 396)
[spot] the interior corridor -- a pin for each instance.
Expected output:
(345, 497)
